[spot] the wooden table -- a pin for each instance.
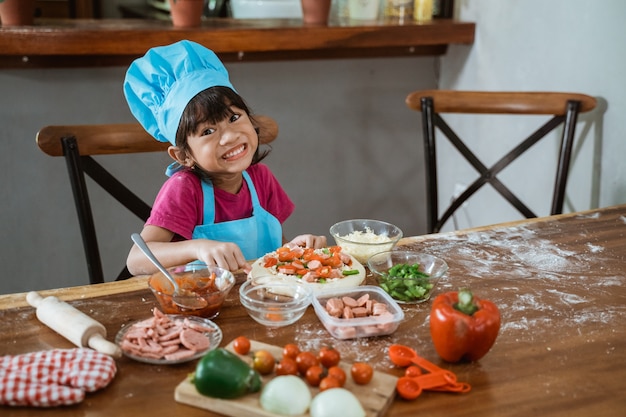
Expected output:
(560, 283)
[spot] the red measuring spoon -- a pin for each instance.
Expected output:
(437, 379)
(410, 388)
(404, 356)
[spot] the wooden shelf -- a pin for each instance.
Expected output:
(109, 42)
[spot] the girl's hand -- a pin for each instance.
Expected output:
(310, 241)
(226, 255)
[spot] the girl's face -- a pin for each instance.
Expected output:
(226, 147)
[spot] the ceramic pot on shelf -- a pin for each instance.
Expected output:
(186, 13)
(17, 12)
(315, 12)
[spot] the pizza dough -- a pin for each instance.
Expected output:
(261, 274)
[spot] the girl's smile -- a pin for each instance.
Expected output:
(236, 153)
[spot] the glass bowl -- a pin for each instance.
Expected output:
(363, 238)
(275, 303)
(210, 282)
(408, 277)
(204, 326)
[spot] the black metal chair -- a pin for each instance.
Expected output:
(564, 107)
(79, 143)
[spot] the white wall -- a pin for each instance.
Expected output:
(348, 147)
(558, 45)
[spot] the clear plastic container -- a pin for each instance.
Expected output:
(368, 326)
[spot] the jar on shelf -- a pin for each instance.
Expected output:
(363, 9)
(443, 9)
(399, 9)
(422, 10)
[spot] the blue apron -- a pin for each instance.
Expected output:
(256, 235)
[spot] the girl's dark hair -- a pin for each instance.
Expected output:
(213, 105)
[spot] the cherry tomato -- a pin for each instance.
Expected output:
(263, 362)
(328, 383)
(329, 356)
(290, 350)
(361, 373)
(314, 375)
(413, 371)
(305, 360)
(241, 345)
(408, 388)
(287, 366)
(337, 373)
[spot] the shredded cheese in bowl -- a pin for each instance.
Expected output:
(368, 236)
(363, 244)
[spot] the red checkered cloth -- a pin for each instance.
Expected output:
(54, 377)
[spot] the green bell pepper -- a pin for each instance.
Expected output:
(222, 374)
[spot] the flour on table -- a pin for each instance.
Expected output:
(516, 254)
(568, 298)
(594, 248)
(516, 248)
(589, 216)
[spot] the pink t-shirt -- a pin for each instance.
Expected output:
(179, 205)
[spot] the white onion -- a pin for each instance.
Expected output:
(336, 402)
(287, 395)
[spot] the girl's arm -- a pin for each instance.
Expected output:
(226, 255)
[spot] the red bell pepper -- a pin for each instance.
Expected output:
(463, 327)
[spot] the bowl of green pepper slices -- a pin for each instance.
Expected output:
(407, 276)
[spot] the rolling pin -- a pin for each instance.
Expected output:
(72, 324)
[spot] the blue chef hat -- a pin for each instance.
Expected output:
(159, 85)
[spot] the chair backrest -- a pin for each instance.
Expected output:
(80, 142)
(564, 107)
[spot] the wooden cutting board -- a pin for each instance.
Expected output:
(375, 397)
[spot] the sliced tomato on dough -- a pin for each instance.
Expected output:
(287, 256)
(334, 249)
(333, 261)
(298, 264)
(324, 271)
(287, 269)
(308, 253)
(316, 257)
(270, 261)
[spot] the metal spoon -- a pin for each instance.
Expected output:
(182, 298)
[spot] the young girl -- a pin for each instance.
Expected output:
(220, 205)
